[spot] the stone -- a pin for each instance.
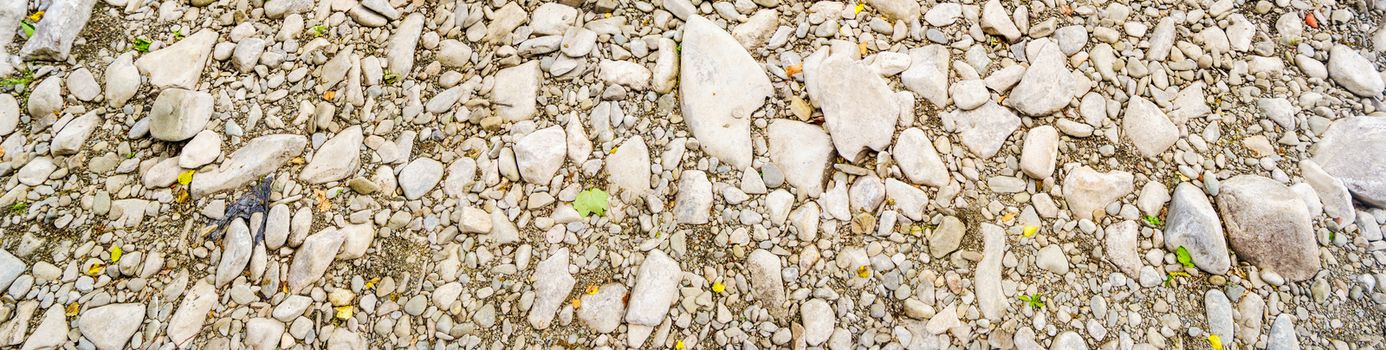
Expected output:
(906, 10)
(859, 108)
(819, 320)
(1343, 152)
(970, 94)
(53, 36)
(802, 151)
(540, 154)
(235, 252)
(1219, 311)
(767, 285)
(910, 201)
(1354, 73)
(263, 333)
(419, 177)
(312, 259)
(656, 286)
(552, 18)
(694, 201)
(1051, 258)
(983, 130)
(928, 73)
(110, 327)
(180, 64)
(51, 331)
(1147, 127)
(475, 220)
(757, 30)
(628, 169)
(504, 21)
(356, 239)
(721, 86)
(1040, 152)
(552, 283)
(10, 269)
(179, 114)
(997, 21)
(918, 159)
(624, 73)
(1069, 340)
(336, 159)
(601, 311)
(203, 149)
(1282, 334)
(280, 9)
(1152, 198)
(1121, 247)
(991, 300)
(73, 135)
(1267, 225)
(1161, 40)
(399, 52)
(9, 114)
(259, 157)
(1193, 224)
(247, 54)
(943, 14)
(1046, 86)
(1336, 199)
(1087, 190)
(36, 171)
(455, 54)
(83, 85)
(46, 100)
(515, 91)
(192, 313)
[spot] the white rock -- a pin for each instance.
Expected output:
(263, 333)
(721, 87)
(1354, 72)
(1147, 127)
(1193, 224)
(187, 322)
(1087, 190)
(356, 239)
(626, 73)
(46, 98)
(656, 287)
(453, 53)
(602, 311)
(36, 171)
(819, 320)
(204, 149)
(694, 201)
(996, 20)
(9, 114)
(1336, 199)
(515, 91)
(337, 159)
(983, 130)
(51, 331)
(73, 135)
(540, 154)
(859, 108)
(552, 18)
(909, 200)
(756, 30)
(313, 258)
(987, 277)
(928, 73)
(767, 285)
(1040, 153)
(628, 169)
(1121, 247)
(235, 252)
(943, 14)
(802, 152)
(257, 158)
(179, 114)
(419, 177)
(109, 327)
(552, 283)
(970, 94)
(918, 160)
(10, 269)
(83, 85)
(1047, 85)
(1051, 258)
(400, 50)
(179, 65)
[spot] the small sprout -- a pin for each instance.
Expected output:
(1034, 300)
(142, 44)
(20, 208)
(178, 34)
(1169, 277)
(1153, 220)
(1182, 255)
(28, 29)
(319, 30)
(1332, 235)
(391, 77)
(718, 287)
(591, 201)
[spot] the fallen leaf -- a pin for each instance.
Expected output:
(793, 69)
(1008, 217)
(591, 201)
(718, 287)
(1310, 20)
(323, 204)
(345, 312)
(577, 302)
(371, 283)
(592, 289)
(1215, 341)
(678, 345)
(96, 268)
(864, 271)
(860, 7)
(116, 253)
(329, 95)
(1031, 230)
(186, 177)
(72, 309)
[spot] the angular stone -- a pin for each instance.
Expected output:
(552, 283)
(997, 21)
(1147, 127)
(918, 159)
(516, 90)
(1193, 224)
(767, 285)
(694, 201)
(235, 252)
(54, 35)
(628, 169)
(1267, 225)
(1040, 152)
(802, 151)
(51, 331)
(540, 154)
(10, 269)
(187, 322)
(419, 177)
(720, 87)
(110, 327)
(1354, 73)
(259, 157)
(1350, 151)
(179, 114)
(819, 319)
(1337, 201)
(400, 49)
(859, 109)
(73, 135)
(180, 65)
(337, 159)
(987, 277)
(656, 286)
(602, 311)
(203, 149)
(983, 130)
(313, 258)
(1047, 85)
(928, 73)
(1088, 190)
(1121, 247)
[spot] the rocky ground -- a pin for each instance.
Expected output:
(751, 174)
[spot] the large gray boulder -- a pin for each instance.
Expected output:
(1268, 225)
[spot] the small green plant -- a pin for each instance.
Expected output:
(178, 34)
(1153, 220)
(319, 30)
(19, 208)
(1332, 235)
(391, 77)
(28, 29)
(141, 44)
(20, 81)
(1169, 277)
(1182, 255)
(1034, 300)
(591, 201)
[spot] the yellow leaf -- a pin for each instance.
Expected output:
(371, 283)
(1031, 230)
(96, 268)
(329, 95)
(72, 309)
(345, 312)
(1215, 341)
(37, 16)
(592, 289)
(864, 271)
(718, 287)
(859, 8)
(678, 345)
(577, 302)
(323, 204)
(185, 178)
(1008, 217)
(116, 253)
(793, 69)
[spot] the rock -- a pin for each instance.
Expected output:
(419, 177)
(721, 87)
(313, 258)
(906, 10)
(259, 157)
(602, 310)
(46, 100)
(235, 252)
(909, 200)
(179, 114)
(337, 159)
(109, 327)
(1152, 198)
(475, 220)
(364, 16)
(859, 108)
(10, 269)
(36, 171)
(625, 73)
(1282, 334)
(187, 322)
(1087, 190)
(629, 169)
(180, 65)
(453, 53)
(53, 36)
(802, 151)
(552, 283)
(1147, 127)
(204, 149)
(9, 114)
(666, 68)
(1267, 225)
(1191, 223)
(1040, 153)
(1354, 72)
(51, 331)
(1219, 311)
(552, 18)
(1069, 340)
(504, 21)
(83, 85)
(399, 52)
(757, 30)
(694, 201)
(1161, 40)
(540, 154)
(280, 9)
(987, 277)
(247, 54)
(943, 321)
(1337, 201)
(997, 21)
(819, 319)
(970, 94)
(928, 73)
(656, 286)
(263, 333)
(983, 130)
(943, 14)
(70, 139)
(1250, 313)
(356, 239)
(344, 339)
(1046, 86)
(1052, 259)
(918, 160)
(1121, 247)
(1279, 110)
(767, 285)
(381, 7)
(515, 91)
(1341, 153)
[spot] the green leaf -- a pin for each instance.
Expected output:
(591, 201)
(1153, 220)
(319, 30)
(28, 29)
(1182, 255)
(142, 44)
(1035, 301)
